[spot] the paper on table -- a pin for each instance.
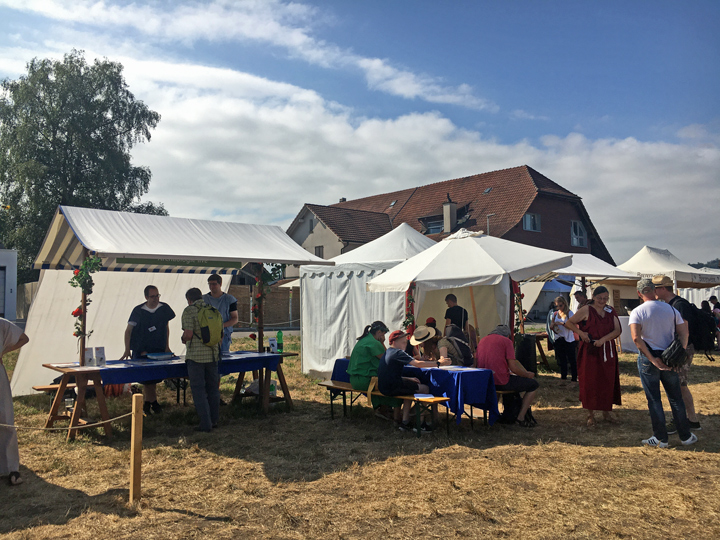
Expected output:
(424, 396)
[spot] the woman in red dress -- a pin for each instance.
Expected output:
(597, 325)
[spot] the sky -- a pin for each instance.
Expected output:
(268, 104)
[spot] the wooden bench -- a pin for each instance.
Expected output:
(422, 405)
(53, 388)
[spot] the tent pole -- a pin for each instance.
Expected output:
(260, 291)
(583, 285)
(472, 302)
(83, 322)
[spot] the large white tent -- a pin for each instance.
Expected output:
(335, 304)
(174, 254)
(650, 261)
(696, 296)
(476, 268)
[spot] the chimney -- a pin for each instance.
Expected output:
(343, 199)
(449, 215)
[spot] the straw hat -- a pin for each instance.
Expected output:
(422, 334)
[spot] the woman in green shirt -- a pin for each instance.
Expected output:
(365, 358)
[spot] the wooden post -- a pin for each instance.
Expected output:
(260, 290)
(83, 303)
(472, 302)
(136, 446)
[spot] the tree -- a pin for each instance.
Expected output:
(66, 131)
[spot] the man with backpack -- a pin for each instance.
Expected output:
(202, 334)
(664, 288)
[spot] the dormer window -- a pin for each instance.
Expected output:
(578, 236)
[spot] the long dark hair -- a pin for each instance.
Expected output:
(705, 306)
(373, 328)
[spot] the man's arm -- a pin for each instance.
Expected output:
(167, 339)
(683, 333)
(128, 334)
(232, 321)
(22, 340)
(635, 330)
(518, 369)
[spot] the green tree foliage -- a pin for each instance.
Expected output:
(66, 131)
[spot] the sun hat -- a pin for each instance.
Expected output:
(422, 334)
(662, 281)
(395, 335)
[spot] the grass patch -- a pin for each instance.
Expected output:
(301, 475)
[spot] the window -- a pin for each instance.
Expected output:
(434, 226)
(320, 252)
(531, 222)
(311, 224)
(578, 236)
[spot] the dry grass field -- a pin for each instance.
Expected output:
(301, 475)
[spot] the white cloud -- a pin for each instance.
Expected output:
(519, 114)
(285, 25)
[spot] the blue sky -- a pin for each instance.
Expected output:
(269, 104)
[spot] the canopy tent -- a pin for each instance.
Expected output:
(140, 244)
(476, 268)
(145, 243)
(696, 296)
(335, 304)
(587, 266)
(650, 261)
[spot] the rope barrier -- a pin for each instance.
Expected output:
(82, 426)
(287, 323)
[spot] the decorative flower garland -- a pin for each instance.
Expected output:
(82, 279)
(409, 321)
(520, 313)
(262, 283)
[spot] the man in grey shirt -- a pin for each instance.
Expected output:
(226, 304)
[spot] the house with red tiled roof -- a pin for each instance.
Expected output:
(517, 204)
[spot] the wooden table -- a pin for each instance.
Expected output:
(82, 376)
(539, 336)
(121, 372)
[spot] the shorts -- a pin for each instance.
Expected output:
(361, 382)
(683, 372)
(405, 388)
(519, 384)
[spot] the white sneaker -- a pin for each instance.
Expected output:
(691, 440)
(654, 441)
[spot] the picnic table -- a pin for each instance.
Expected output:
(464, 386)
(127, 371)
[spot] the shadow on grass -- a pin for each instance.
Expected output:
(37, 502)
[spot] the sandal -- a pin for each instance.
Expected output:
(530, 418)
(524, 423)
(591, 421)
(15, 479)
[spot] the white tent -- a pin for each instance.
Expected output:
(696, 296)
(476, 268)
(153, 250)
(335, 304)
(650, 261)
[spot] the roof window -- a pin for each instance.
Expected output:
(393, 203)
(487, 190)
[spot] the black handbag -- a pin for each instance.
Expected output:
(675, 355)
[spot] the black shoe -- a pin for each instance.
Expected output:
(426, 428)
(694, 426)
(530, 418)
(156, 408)
(147, 408)
(671, 428)
(198, 428)
(405, 426)
(222, 402)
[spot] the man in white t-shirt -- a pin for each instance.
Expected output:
(653, 326)
(12, 338)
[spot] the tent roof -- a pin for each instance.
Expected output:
(399, 244)
(588, 266)
(650, 261)
(145, 243)
(469, 259)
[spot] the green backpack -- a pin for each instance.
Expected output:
(211, 325)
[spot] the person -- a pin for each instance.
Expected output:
(705, 306)
(392, 383)
(148, 331)
(565, 346)
(426, 337)
(496, 352)
(714, 304)
(454, 346)
(12, 339)
(363, 366)
(664, 288)
(597, 325)
(226, 304)
(581, 298)
(456, 315)
(202, 364)
(653, 326)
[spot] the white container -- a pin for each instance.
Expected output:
(89, 358)
(99, 356)
(273, 344)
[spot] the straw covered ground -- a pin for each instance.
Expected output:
(301, 475)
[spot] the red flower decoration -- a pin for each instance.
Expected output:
(252, 336)
(522, 296)
(258, 295)
(77, 312)
(76, 272)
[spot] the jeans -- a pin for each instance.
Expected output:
(565, 353)
(651, 377)
(204, 380)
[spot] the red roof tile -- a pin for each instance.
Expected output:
(352, 225)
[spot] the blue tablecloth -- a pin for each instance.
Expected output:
(474, 387)
(127, 371)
